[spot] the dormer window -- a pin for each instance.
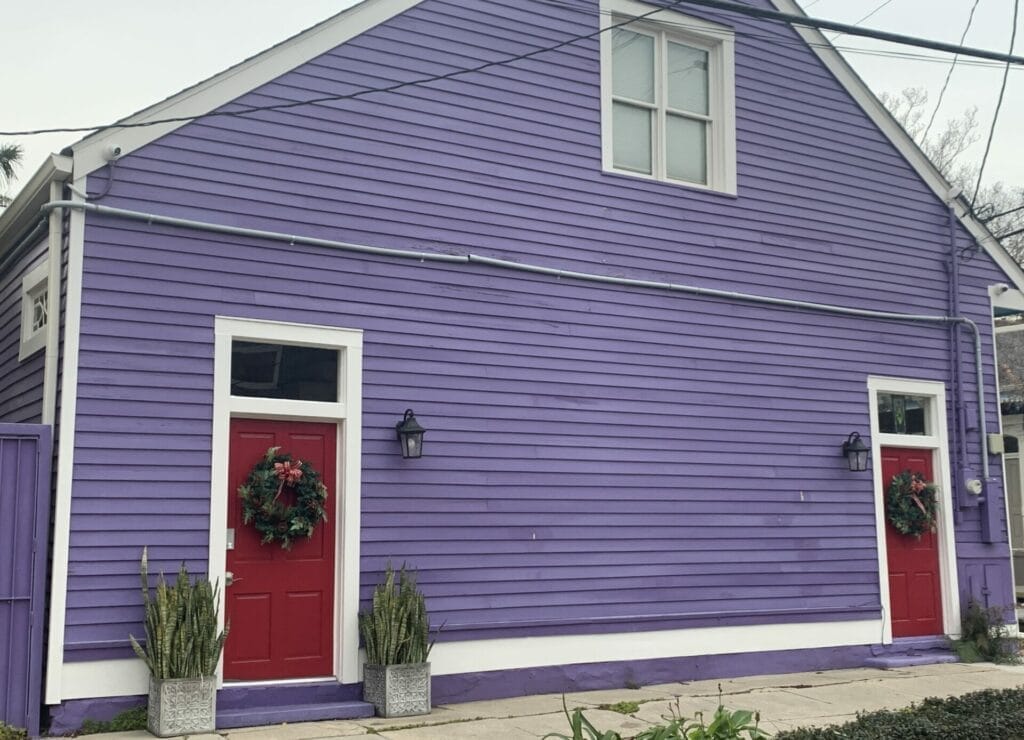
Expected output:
(668, 110)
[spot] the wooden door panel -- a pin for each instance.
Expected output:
(915, 591)
(281, 603)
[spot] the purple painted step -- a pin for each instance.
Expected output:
(908, 651)
(249, 706)
(275, 715)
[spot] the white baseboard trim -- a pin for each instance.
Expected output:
(109, 678)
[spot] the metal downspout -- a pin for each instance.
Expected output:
(54, 253)
(555, 272)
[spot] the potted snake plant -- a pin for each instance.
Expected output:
(182, 649)
(396, 635)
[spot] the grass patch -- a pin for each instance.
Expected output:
(10, 732)
(622, 707)
(129, 719)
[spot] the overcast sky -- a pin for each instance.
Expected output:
(82, 63)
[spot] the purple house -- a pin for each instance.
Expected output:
(650, 278)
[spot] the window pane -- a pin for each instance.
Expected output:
(631, 127)
(687, 78)
(686, 149)
(284, 371)
(898, 414)
(632, 65)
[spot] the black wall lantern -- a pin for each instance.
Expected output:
(855, 452)
(410, 434)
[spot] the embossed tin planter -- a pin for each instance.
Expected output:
(181, 706)
(397, 690)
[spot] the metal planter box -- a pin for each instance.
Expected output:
(397, 690)
(181, 706)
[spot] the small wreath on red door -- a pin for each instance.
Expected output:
(912, 503)
(273, 518)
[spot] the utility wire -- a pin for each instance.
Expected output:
(861, 20)
(949, 74)
(999, 104)
(731, 6)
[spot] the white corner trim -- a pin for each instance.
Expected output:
(533, 652)
(347, 413)
(104, 678)
(65, 453)
(54, 255)
(906, 146)
(236, 81)
(938, 442)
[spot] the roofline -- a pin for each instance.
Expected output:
(91, 152)
(24, 210)
(880, 115)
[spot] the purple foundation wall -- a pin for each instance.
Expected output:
(465, 687)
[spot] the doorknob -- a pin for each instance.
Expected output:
(229, 578)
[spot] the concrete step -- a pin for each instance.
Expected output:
(276, 714)
(910, 651)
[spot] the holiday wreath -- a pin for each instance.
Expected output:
(912, 503)
(273, 518)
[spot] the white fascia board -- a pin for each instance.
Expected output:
(90, 152)
(24, 209)
(904, 144)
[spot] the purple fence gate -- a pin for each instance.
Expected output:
(25, 455)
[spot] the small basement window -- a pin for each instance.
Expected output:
(284, 371)
(34, 311)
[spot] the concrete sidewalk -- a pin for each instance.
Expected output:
(785, 701)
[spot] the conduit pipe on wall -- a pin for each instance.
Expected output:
(729, 295)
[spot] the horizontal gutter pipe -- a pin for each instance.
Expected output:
(555, 272)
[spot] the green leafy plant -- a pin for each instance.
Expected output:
(129, 719)
(724, 725)
(181, 626)
(396, 630)
(10, 732)
(984, 635)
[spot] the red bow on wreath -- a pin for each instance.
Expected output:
(289, 472)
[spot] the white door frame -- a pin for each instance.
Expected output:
(346, 412)
(938, 443)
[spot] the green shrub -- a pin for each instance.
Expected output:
(982, 715)
(396, 629)
(9, 732)
(181, 626)
(984, 636)
(129, 719)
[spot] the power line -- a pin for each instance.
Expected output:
(358, 93)
(861, 20)
(949, 74)
(731, 6)
(999, 104)
(819, 23)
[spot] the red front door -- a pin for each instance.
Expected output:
(281, 602)
(914, 585)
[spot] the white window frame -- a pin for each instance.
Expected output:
(719, 42)
(33, 339)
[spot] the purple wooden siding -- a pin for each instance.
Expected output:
(598, 458)
(24, 518)
(21, 382)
